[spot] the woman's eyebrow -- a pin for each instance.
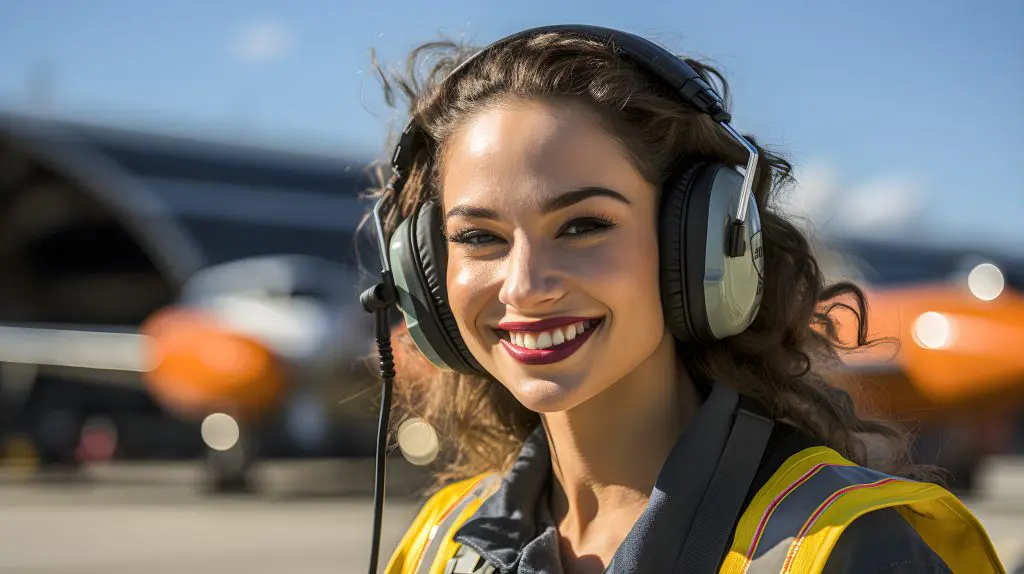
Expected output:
(576, 196)
(471, 212)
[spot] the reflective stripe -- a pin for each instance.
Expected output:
(407, 555)
(795, 510)
(795, 546)
(750, 536)
(441, 531)
(795, 519)
(941, 520)
(759, 533)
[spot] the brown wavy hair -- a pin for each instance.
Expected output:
(779, 360)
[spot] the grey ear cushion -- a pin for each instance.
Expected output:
(683, 230)
(432, 251)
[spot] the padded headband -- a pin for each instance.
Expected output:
(653, 58)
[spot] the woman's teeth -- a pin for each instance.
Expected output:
(551, 337)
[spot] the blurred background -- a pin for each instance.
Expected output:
(182, 376)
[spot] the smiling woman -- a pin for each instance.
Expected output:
(550, 225)
(577, 250)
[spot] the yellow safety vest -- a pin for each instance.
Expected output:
(790, 526)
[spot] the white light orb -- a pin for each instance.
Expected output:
(986, 281)
(418, 441)
(933, 330)
(220, 431)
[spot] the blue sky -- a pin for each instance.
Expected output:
(905, 108)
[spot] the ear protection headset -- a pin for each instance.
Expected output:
(709, 229)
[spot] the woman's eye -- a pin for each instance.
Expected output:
(575, 229)
(474, 238)
(584, 227)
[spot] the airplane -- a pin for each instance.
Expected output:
(103, 228)
(949, 324)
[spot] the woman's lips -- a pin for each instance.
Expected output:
(551, 354)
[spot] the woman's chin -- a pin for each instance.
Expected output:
(547, 395)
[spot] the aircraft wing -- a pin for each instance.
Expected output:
(100, 355)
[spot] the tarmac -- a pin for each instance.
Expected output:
(309, 517)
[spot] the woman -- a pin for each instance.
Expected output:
(620, 389)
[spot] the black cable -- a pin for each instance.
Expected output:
(378, 300)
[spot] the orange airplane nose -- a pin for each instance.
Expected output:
(198, 366)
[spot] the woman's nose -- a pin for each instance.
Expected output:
(531, 278)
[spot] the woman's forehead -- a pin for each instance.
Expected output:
(528, 151)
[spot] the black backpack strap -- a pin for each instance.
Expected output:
(722, 503)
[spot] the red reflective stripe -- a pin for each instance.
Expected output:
(822, 508)
(774, 503)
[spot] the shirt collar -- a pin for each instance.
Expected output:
(514, 531)
(516, 515)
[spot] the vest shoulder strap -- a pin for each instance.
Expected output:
(427, 547)
(796, 518)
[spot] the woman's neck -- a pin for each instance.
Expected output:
(607, 452)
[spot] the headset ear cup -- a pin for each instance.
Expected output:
(706, 294)
(432, 251)
(672, 254)
(732, 285)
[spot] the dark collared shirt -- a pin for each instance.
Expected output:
(514, 530)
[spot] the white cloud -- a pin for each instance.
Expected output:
(262, 41)
(881, 206)
(813, 197)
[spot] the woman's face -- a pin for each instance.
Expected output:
(553, 254)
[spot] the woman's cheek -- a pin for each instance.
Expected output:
(623, 276)
(613, 262)
(469, 287)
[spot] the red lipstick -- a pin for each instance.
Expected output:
(551, 354)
